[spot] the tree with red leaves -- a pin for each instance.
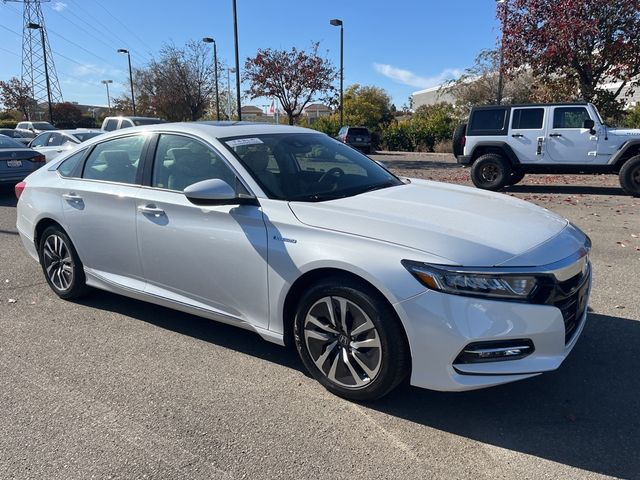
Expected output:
(16, 95)
(294, 77)
(586, 43)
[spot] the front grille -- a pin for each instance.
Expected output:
(571, 298)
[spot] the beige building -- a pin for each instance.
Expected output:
(316, 110)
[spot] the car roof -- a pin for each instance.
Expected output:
(519, 105)
(215, 129)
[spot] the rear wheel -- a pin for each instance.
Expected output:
(350, 339)
(630, 176)
(491, 171)
(60, 263)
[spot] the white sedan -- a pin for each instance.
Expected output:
(53, 143)
(293, 235)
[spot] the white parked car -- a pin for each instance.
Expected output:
(52, 144)
(34, 127)
(293, 235)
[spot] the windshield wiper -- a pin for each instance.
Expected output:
(380, 186)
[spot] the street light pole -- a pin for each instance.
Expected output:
(215, 72)
(501, 67)
(133, 98)
(229, 103)
(36, 26)
(338, 23)
(106, 83)
(235, 36)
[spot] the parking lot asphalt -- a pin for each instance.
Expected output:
(109, 387)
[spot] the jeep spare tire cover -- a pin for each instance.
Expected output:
(458, 135)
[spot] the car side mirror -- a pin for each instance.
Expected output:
(589, 124)
(216, 192)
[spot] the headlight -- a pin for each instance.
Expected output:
(459, 281)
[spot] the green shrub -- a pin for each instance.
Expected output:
(632, 117)
(8, 124)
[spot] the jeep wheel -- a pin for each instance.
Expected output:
(458, 136)
(630, 176)
(516, 176)
(491, 172)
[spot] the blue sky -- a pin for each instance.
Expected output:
(400, 45)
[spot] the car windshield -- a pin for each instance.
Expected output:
(308, 167)
(84, 136)
(146, 121)
(43, 126)
(6, 142)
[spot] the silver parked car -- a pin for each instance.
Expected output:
(304, 240)
(52, 144)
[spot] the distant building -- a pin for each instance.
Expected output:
(251, 112)
(314, 111)
(431, 96)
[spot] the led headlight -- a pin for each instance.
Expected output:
(460, 281)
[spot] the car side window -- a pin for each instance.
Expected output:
(181, 161)
(67, 167)
(126, 124)
(527, 118)
(111, 125)
(40, 140)
(115, 160)
(570, 117)
(55, 140)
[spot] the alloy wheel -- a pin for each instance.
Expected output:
(58, 263)
(489, 173)
(343, 342)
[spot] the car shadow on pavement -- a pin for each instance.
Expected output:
(565, 189)
(226, 336)
(420, 165)
(585, 415)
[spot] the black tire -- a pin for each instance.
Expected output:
(458, 135)
(61, 265)
(387, 358)
(491, 171)
(516, 176)
(630, 176)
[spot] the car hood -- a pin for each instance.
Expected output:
(624, 132)
(462, 225)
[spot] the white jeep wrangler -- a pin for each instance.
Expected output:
(502, 143)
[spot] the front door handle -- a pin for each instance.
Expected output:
(555, 134)
(517, 135)
(72, 197)
(151, 210)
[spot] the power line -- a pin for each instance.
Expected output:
(127, 28)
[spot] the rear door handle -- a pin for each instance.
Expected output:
(517, 135)
(555, 134)
(151, 210)
(72, 197)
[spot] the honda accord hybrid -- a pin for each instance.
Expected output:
(302, 239)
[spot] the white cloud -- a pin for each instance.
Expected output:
(59, 6)
(87, 69)
(407, 77)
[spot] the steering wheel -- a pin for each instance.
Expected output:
(334, 172)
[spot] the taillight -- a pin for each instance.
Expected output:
(19, 188)
(39, 159)
(463, 140)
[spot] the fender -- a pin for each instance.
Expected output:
(621, 156)
(495, 146)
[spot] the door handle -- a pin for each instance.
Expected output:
(517, 135)
(555, 134)
(72, 197)
(151, 210)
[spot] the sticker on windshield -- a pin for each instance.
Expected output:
(243, 141)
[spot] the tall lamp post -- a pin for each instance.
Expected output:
(229, 107)
(133, 99)
(504, 5)
(36, 26)
(215, 72)
(338, 23)
(106, 83)
(235, 37)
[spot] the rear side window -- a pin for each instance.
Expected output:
(489, 121)
(527, 118)
(111, 125)
(41, 140)
(126, 124)
(67, 167)
(359, 131)
(115, 160)
(570, 117)
(55, 140)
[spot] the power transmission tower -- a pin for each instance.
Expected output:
(38, 68)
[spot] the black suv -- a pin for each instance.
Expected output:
(357, 137)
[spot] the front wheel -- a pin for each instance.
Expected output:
(630, 176)
(61, 265)
(491, 171)
(350, 339)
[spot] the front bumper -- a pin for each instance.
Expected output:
(439, 326)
